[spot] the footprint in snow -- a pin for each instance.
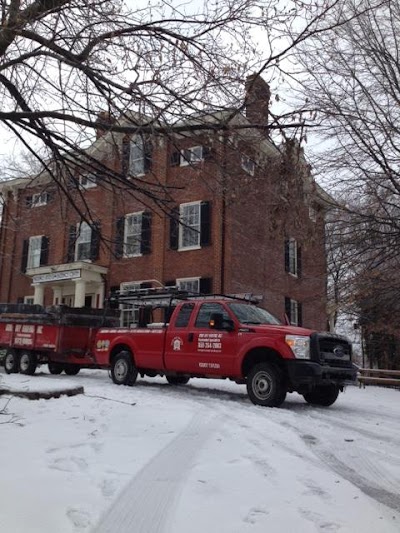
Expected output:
(254, 515)
(79, 517)
(69, 464)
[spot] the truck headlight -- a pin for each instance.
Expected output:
(299, 345)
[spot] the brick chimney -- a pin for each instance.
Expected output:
(103, 123)
(258, 95)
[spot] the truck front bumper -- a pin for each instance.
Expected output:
(307, 374)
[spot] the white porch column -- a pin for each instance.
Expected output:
(80, 291)
(100, 292)
(38, 297)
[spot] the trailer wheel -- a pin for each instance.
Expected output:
(71, 369)
(323, 395)
(123, 370)
(55, 368)
(265, 385)
(28, 363)
(11, 362)
(177, 380)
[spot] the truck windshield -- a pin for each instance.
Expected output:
(250, 314)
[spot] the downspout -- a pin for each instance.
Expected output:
(223, 224)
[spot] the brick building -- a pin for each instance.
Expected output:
(234, 214)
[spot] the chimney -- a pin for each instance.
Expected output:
(257, 100)
(103, 123)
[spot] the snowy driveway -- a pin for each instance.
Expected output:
(196, 459)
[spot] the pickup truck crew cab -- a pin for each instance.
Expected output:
(210, 337)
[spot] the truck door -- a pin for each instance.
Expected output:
(198, 349)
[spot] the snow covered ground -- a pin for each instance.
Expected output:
(195, 459)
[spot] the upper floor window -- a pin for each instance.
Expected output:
(293, 257)
(192, 155)
(190, 226)
(38, 199)
(248, 165)
(293, 310)
(34, 252)
(87, 181)
(136, 156)
(84, 242)
(133, 235)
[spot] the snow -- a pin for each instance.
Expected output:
(196, 458)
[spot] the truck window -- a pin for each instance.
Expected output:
(184, 315)
(205, 311)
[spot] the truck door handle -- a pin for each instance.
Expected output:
(190, 337)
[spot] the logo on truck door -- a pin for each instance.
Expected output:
(177, 343)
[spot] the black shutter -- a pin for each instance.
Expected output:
(147, 155)
(28, 201)
(174, 229)
(48, 197)
(44, 252)
(287, 265)
(287, 308)
(24, 258)
(299, 261)
(95, 241)
(71, 244)
(175, 159)
(299, 314)
(119, 237)
(145, 243)
(206, 285)
(205, 223)
(126, 150)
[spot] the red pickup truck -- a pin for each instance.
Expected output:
(210, 337)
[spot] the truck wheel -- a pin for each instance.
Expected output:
(28, 363)
(324, 395)
(11, 362)
(71, 370)
(177, 380)
(55, 368)
(123, 370)
(264, 385)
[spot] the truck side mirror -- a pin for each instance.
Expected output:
(217, 321)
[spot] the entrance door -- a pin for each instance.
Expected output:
(68, 300)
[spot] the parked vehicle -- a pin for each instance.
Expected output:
(180, 336)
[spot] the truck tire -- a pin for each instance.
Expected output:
(55, 368)
(123, 370)
(28, 363)
(11, 362)
(323, 395)
(177, 380)
(265, 385)
(71, 369)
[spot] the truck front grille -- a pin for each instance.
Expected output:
(331, 350)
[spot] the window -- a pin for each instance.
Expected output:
(136, 157)
(35, 247)
(189, 228)
(29, 300)
(133, 235)
(293, 310)
(88, 181)
(35, 252)
(189, 284)
(129, 315)
(83, 242)
(184, 315)
(248, 165)
(205, 311)
(293, 257)
(191, 155)
(38, 199)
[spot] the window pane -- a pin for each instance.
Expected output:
(35, 248)
(190, 225)
(184, 315)
(190, 285)
(82, 249)
(133, 234)
(136, 157)
(203, 317)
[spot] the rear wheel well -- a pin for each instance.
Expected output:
(120, 348)
(262, 355)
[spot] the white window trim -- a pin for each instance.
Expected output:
(39, 199)
(126, 309)
(29, 299)
(248, 165)
(293, 255)
(126, 233)
(77, 241)
(184, 162)
(28, 264)
(90, 183)
(180, 281)
(182, 248)
(294, 312)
